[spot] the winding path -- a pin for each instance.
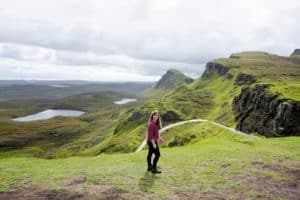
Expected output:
(142, 145)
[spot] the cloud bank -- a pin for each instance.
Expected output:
(137, 40)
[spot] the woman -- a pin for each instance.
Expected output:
(153, 137)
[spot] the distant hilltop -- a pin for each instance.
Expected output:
(296, 52)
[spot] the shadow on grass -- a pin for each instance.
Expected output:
(147, 181)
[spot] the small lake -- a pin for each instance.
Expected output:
(49, 113)
(124, 101)
(60, 86)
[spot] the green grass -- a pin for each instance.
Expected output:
(154, 93)
(61, 136)
(195, 167)
(190, 133)
(89, 101)
(106, 128)
(208, 98)
(278, 71)
(197, 158)
(211, 97)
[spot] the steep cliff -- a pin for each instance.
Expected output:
(173, 78)
(259, 111)
(169, 81)
(295, 56)
(269, 98)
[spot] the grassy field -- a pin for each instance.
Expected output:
(279, 71)
(216, 165)
(64, 136)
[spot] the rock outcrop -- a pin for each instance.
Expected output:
(243, 79)
(258, 111)
(170, 116)
(173, 78)
(295, 56)
(212, 67)
(296, 52)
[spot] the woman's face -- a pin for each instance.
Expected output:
(155, 117)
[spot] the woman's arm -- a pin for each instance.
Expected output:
(153, 142)
(161, 139)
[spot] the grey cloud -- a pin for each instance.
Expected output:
(145, 37)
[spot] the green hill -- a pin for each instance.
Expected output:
(170, 80)
(255, 92)
(61, 136)
(220, 165)
(295, 56)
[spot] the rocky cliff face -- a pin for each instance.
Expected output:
(173, 78)
(296, 52)
(295, 56)
(258, 111)
(243, 79)
(212, 67)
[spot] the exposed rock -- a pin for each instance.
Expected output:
(173, 78)
(228, 76)
(295, 56)
(140, 116)
(135, 118)
(258, 111)
(234, 56)
(212, 67)
(181, 140)
(170, 116)
(242, 79)
(296, 52)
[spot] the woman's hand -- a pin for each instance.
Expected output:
(161, 140)
(154, 145)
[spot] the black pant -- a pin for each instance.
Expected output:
(151, 150)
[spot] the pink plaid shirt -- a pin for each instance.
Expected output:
(153, 132)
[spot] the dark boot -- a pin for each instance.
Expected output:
(155, 170)
(149, 168)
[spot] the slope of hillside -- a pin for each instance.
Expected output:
(255, 92)
(221, 166)
(90, 101)
(218, 95)
(48, 89)
(63, 136)
(170, 80)
(295, 56)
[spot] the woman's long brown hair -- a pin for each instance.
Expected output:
(158, 122)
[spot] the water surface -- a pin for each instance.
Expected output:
(124, 101)
(49, 113)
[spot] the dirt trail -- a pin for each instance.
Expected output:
(142, 145)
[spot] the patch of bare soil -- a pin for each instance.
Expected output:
(216, 194)
(258, 185)
(287, 187)
(73, 189)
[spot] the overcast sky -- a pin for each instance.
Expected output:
(137, 40)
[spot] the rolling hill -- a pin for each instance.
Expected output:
(170, 80)
(91, 157)
(255, 92)
(220, 165)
